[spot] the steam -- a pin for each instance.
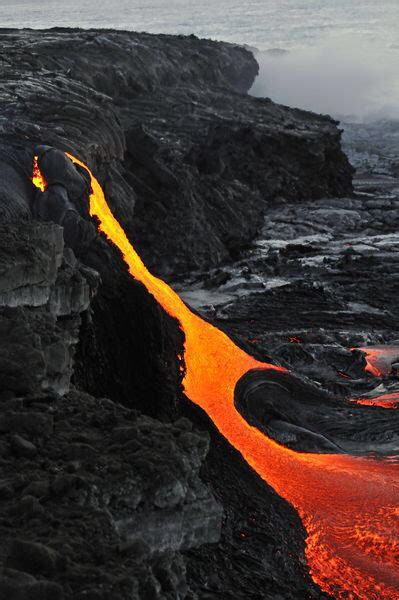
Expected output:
(340, 78)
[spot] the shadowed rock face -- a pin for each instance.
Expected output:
(43, 292)
(170, 130)
(98, 499)
(284, 408)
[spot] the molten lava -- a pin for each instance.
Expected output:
(348, 505)
(37, 178)
(379, 359)
(387, 400)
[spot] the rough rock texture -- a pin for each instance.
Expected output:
(43, 293)
(373, 147)
(99, 501)
(96, 500)
(169, 129)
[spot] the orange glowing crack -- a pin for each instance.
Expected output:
(387, 400)
(37, 178)
(348, 505)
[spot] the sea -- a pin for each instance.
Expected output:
(333, 56)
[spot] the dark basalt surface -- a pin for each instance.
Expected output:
(306, 418)
(119, 498)
(168, 127)
(97, 500)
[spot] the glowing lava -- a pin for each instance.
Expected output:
(379, 359)
(37, 178)
(387, 400)
(348, 505)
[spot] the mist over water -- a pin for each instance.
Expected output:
(343, 55)
(346, 79)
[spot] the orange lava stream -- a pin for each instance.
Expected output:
(379, 359)
(388, 400)
(349, 505)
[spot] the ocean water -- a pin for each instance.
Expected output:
(338, 56)
(265, 24)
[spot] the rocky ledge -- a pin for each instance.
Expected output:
(168, 127)
(119, 498)
(97, 500)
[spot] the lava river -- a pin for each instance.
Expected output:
(348, 505)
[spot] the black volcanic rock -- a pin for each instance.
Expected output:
(42, 295)
(304, 417)
(170, 130)
(110, 490)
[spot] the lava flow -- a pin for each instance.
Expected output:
(379, 359)
(348, 505)
(387, 400)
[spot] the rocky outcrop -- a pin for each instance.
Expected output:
(43, 294)
(97, 500)
(171, 133)
(30, 255)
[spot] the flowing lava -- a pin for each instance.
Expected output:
(349, 506)
(388, 400)
(379, 359)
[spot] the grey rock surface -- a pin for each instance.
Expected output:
(171, 133)
(86, 486)
(30, 255)
(41, 300)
